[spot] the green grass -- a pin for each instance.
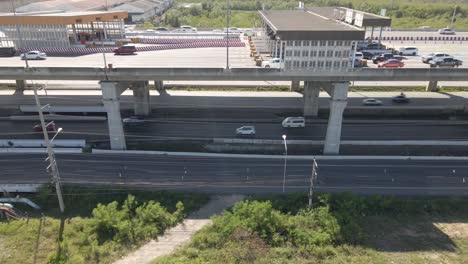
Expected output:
(343, 228)
(37, 241)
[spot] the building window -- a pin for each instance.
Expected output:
(289, 42)
(305, 53)
(297, 43)
(306, 43)
(288, 64)
(289, 53)
(329, 53)
(336, 64)
(312, 64)
(297, 53)
(346, 53)
(313, 43)
(338, 53)
(321, 53)
(322, 43)
(320, 64)
(344, 64)
(296, 64)
(313, 53)
(328, 64)
(338, 43)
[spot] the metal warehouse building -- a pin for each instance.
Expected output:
(60, 29)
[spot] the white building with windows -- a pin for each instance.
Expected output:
(304, 39)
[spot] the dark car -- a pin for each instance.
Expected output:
(7, 51)
(127, 49)
(400, 99)
(50, 127)
(368, 55)
(386, 56)
(162, 29)
(445, 62)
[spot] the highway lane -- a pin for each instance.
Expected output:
(97, 130)
(242, 174)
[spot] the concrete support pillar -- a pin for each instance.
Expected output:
(311, 98)
(74, 37)
(20, 85)
(111, 101)
(158, 85)
(141, 98)
(432, 86)
(295, 86)
(338, 103)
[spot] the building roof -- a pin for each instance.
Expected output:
(339, 13)
(306, 25)
(63, 18)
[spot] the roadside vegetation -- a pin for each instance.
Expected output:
(341, 228)
(100, 224)
(405, 14)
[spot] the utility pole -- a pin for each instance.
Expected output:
(453, 16)
(313, 178)
(227, 34)
(51, 157)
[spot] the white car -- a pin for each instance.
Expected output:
(408, 51)
(371, 101)
(246, 130)
(232, 30)
(133, 121)
(188, 29)
(34, 55)
(446, 31)
(298, 121)
(273, 63)
(436, 55)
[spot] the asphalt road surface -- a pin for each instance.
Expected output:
(152, 130)
(249, 175)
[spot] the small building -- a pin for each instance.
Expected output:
(139, 11)
(60, 29)
(304, 39)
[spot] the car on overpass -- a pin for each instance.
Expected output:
(446, 31)
(371, 101)
(392, 63)
(162, 29)
(187, 29)
(408, 51)
(245, 131)
(33, 55)
(386, 56)
(445, 62)
(126, 49)
(435, 55)
(292, 122)
(273, 63)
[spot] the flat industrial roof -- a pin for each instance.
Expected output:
(60, 18)
(306, 25)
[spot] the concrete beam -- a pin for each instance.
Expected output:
(338, 103)
(311, 98)
(141, 98)
(20, 85)
(158, 85)
(432, 86)
(111, 100)
(233, 74)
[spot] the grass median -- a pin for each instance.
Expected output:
(100, 224)
(341, 228)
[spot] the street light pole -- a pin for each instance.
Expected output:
(227, 34)
(453, 16)
(285, 161)
(51, 157)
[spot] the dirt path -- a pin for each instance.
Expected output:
(180, 234)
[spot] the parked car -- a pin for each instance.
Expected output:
(445, 62)
(246, 130)
(273, 63)
(392, 63)
(446, 31)
(385, 57)
(126, 49)
(34, 55)
(371, 101)
(400, 98)
(357, 56)
(408, 51)
(375, 45)
(298, 121)
(367, 55)
(162, 29)
(50, 127)
(7, 51)
(133, 121)
(188, 29)
(435, 55)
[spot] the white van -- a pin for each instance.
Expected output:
(293, 122)
(408, 51)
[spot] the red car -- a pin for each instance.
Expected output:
(50, 127)
(127, 49)
(392, 63)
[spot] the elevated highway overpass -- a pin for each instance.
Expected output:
(114, 81)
